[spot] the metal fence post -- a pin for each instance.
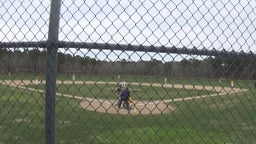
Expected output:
(51, 71)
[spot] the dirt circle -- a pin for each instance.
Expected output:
(140, 108)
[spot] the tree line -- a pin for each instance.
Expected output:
(34, 61)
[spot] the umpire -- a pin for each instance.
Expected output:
(125, 95)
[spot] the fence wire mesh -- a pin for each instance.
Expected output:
(122, 71)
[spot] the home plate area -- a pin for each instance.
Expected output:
(140, 107)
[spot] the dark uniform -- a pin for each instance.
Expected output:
(125, 95)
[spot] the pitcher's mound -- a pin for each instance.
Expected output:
(141, 107)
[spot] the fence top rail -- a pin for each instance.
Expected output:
(128, 47)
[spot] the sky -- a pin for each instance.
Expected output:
(219, 24)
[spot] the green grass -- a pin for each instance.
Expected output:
(224, 119)
(132, 78)
(137, 92)
(22, 116)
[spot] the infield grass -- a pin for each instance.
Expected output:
(102, 91)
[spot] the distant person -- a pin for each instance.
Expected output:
(125, 96)
(254, 83)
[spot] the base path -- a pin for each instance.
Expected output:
(141, 107)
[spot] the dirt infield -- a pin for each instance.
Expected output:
(141, 107)
(154, 107)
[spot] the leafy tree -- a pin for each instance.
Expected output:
(167, 70)
(34, 56)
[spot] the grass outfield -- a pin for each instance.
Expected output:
(225, 119)
(149, 79)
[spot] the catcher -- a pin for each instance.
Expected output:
(130, 103)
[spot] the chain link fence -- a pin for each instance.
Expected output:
(122, 71)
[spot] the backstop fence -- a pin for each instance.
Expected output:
(127, 71)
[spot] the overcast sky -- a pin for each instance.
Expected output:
(219, 24)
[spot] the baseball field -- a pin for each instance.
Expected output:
(179, 111)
